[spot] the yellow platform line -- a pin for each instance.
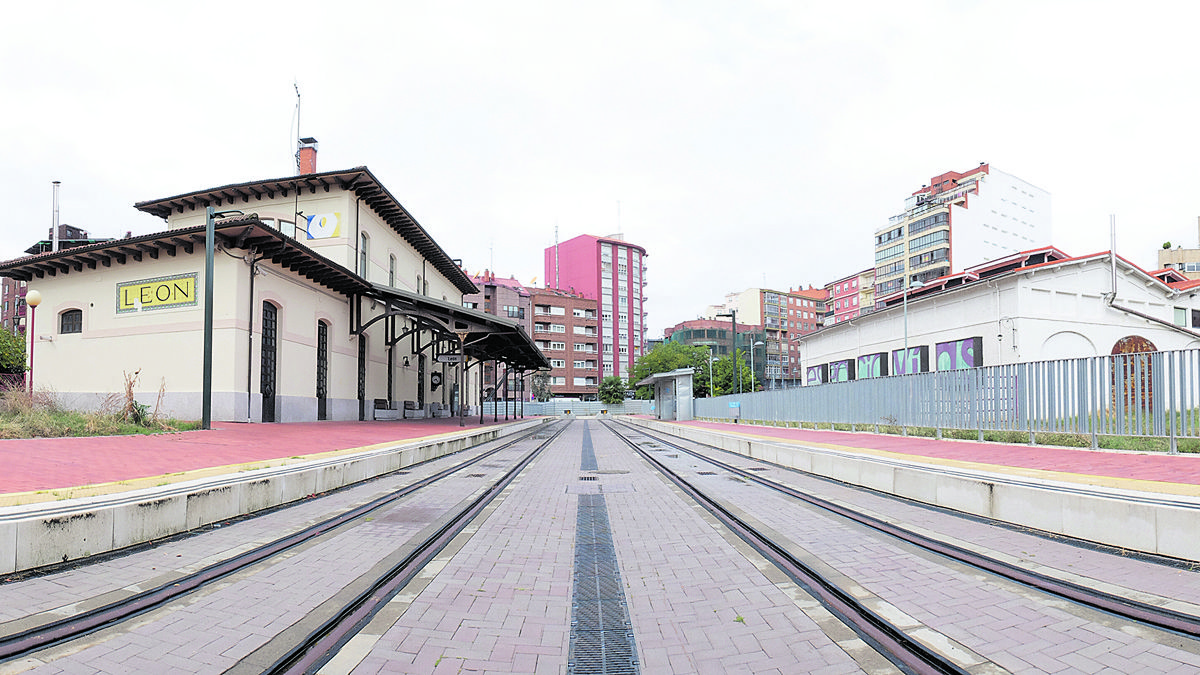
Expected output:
(1135, 484)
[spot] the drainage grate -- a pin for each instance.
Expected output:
(672, 456)
(601, 636)
(477, 475)
(587, 478)
(758, 468)
(707, 473)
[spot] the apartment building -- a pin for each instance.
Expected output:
(1180, 259)
(509, 298)
(958, 220)
(12, 305)
(612, 272)
(850, 296)
(565, 329)
(783, 316)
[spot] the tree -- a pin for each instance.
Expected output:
(540, 384)
(12, 353)
(612, 390)
(728, 369)
(670, 356)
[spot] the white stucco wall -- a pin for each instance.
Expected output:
(1049, 313)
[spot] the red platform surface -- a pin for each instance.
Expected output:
(49, 463)
(1162, 467)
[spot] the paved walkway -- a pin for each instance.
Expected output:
(1154, 472)
(52, 468)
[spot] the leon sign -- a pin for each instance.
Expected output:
(158, 293)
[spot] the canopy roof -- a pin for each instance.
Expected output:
(358, 180)
(488, 337)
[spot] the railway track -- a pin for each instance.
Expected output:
(1127, 608)
(316, 644)
(906, 653)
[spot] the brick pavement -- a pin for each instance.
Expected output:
(697, 602)
(1003, 622)
(215, 628)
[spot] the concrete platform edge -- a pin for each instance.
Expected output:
(1156, 523)
(41, 534)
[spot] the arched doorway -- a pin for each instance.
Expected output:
(1132, 374)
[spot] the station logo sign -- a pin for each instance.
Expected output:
(323, 226)
(178, 290)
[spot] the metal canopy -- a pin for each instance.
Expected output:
(485, 336)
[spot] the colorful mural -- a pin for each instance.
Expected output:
(959, 354)
(873, 365)
(917, 361)
(841, 371)
(818, 374)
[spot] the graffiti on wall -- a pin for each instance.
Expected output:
(959, 354)
(818, 374)
(841, 371)
(873, 365)
(916, 361)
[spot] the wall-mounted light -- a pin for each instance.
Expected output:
(406, 362)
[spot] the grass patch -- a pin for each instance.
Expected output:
(40, 416)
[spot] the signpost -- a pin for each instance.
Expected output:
(449, 358)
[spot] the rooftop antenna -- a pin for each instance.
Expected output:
(297, 86)
(54, 220)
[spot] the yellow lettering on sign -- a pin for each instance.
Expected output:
(136, 296)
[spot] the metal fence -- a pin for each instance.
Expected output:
(563, 407)
(1154, 394)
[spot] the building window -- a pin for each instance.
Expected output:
(1181, 317)
(392, 271)
(363, 254)
(71, 321)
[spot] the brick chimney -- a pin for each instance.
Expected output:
(307, 156)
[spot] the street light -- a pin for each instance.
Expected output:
(210, 215)
(907, 361)
(711, 389)
(752, 348)
(733, 345)
(32, 299)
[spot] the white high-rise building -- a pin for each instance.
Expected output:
(957, 221)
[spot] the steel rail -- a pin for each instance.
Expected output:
(891, 642)
(1126, 608)
(323, 642)
(64, 630)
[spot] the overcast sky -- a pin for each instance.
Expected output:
(746, 143)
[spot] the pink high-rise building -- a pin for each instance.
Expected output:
(612, 272)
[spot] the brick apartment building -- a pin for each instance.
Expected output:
(505, 297)
(565, 329)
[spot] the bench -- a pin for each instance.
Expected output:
(385, 410)
(412, 411)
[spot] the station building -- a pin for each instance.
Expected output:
(330, 302)
(1037, 305)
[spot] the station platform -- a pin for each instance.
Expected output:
(50, 469)
(1177, 474)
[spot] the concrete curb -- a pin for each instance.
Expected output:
(40, 534)
(1136, 520)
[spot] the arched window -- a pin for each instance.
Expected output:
(363, 254)
(392, 271)
(71, 321)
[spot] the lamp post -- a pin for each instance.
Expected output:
(906, 361)
(210, 216)
(733, 345)
(753, 346)
(712, 391)
(32, 299)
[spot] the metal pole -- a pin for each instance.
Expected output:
(31, 336)
(209, 246)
